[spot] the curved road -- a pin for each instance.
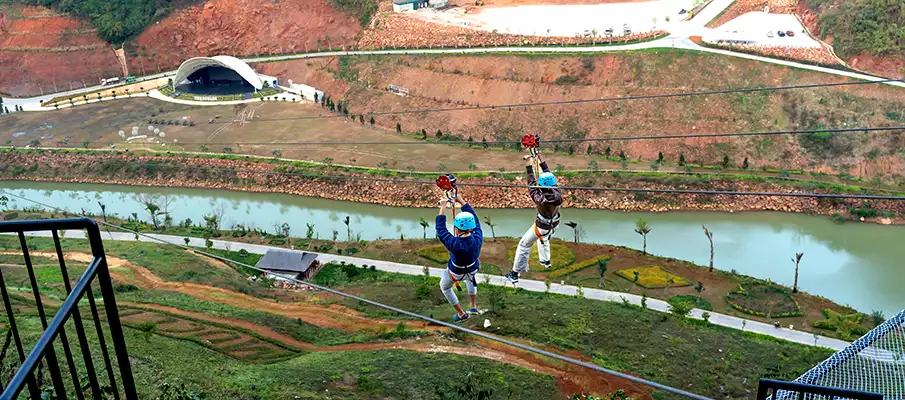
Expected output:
(678, 39)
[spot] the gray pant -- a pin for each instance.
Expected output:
(446, 284)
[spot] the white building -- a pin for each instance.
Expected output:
(412, 5)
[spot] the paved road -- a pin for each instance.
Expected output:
(678, 38)
(527, 284)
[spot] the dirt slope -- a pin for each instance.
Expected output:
(435, 82)
(242, 28)
(41, 51)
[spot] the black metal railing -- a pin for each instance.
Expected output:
(85, 379)
(781, 390)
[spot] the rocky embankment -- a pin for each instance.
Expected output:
(271, 177)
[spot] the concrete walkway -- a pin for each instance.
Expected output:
(526, 284)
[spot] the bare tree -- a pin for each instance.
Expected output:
(424, 226)
(492, 225)
(796, 260)
(642, 229)
(709, 235)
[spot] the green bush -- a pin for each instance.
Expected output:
(845, 325)
(693, 301)
(243, 253)
(11, 216)
(363, 9)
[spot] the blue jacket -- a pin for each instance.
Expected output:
(463, 251)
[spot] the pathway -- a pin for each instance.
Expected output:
(526, 284)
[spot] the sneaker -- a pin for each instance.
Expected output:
(546, 265)
(457, 318)
(473, 311)
(512, 276)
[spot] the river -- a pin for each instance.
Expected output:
(856, 264)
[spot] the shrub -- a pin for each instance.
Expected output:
(11, 215)
(653, 277)
(845, 325)
(243, 253)
(121, 288)
(577, 267)
(680, 308)
(693, 301)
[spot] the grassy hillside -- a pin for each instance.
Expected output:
(876, 27)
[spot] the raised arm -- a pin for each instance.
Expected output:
(440, 225)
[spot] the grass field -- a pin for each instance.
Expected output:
(705, 359)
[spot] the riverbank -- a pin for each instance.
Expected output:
(364, 185)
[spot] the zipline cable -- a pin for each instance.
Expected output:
(604, 139)
(400, 311)
(514, 186)
(594, 100)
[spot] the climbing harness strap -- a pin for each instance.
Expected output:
(546, 220)
(539, 236)
(468, 275)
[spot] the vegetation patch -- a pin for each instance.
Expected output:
(862, 26)
(653, 277)
(763, 300)
(846, 326)
(436, 253)
(578, 266)
(693, 301)
(560, 256)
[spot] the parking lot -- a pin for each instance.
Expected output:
(762, 29)
(566, 20)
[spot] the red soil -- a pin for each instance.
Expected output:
(43, 52)
(242, 28)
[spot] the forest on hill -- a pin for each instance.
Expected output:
(115, 20)
(875, 27)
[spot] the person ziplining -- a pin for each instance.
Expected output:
(548, 199)
(464, 248)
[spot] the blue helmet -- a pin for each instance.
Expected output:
(465, 221)
(546, 179)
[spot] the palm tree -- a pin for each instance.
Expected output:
(642, 229)
(492, 225)
(424, 225)
(576, 232)
(348, 222)
(796, 260)
(709, 235)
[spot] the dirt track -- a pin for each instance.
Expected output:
(569, 378)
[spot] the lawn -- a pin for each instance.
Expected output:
(654, 277)
(762, 299)
(706, 359)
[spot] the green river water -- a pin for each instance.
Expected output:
(862, 265)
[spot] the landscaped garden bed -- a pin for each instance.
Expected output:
(763, 300)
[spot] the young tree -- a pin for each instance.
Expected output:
(153, 210)
(660, 158)
(601, 269)
(642, 229)
(424, 225)
(439, 134)
(398, 128)
(745, 163)
(361, 119)
(635, 278)
(622, 155)
(682, 159)
(725, 161)
(607, 151)
(575, 230)
(491, 225)
(709, 235)
(103, 210)
(372, 121)
(796, 260)
(186, 240)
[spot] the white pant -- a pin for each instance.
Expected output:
(523, 252)
(446, 284)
